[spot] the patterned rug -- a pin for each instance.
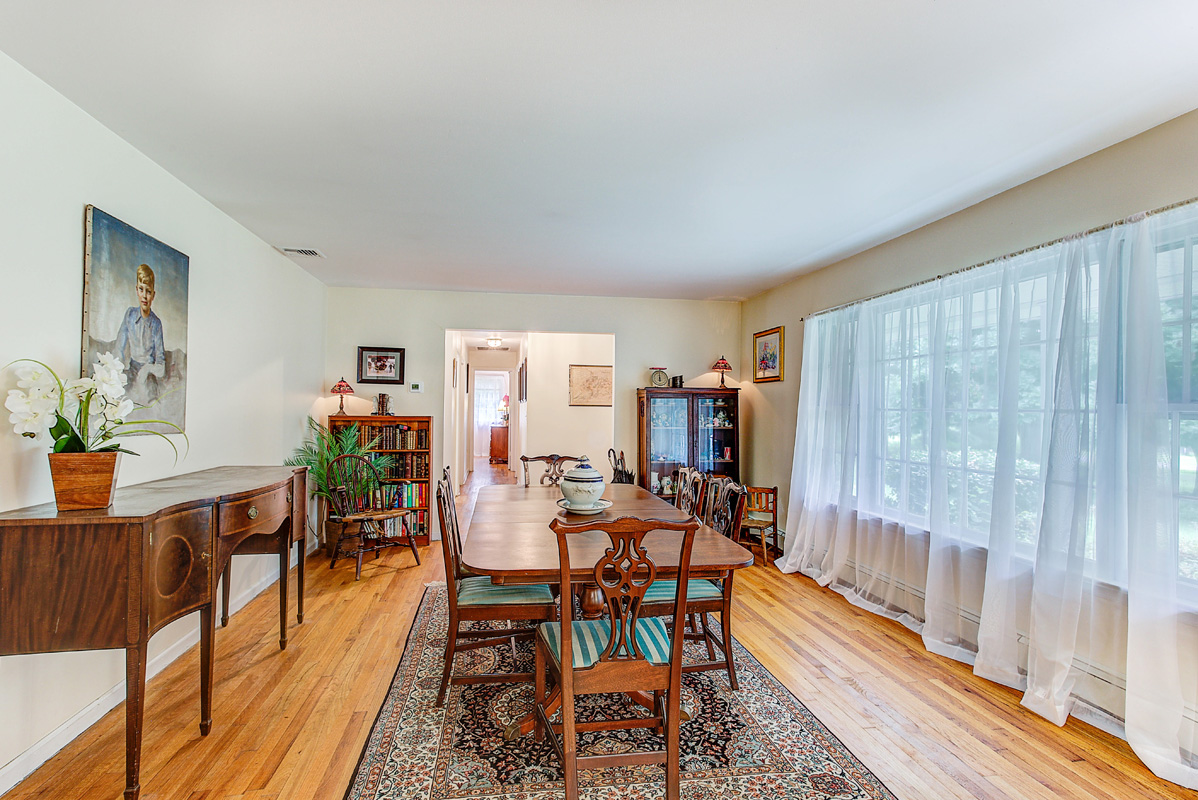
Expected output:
(757, 742)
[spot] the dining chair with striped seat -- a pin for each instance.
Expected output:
(708, 596)
(623, 652)
(473, 598)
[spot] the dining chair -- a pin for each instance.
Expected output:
(359, 508)
(688, 496)
(555, 469)
(623, 652)
(473, 598)
(761, 518)
(708, 596)
(713, 484)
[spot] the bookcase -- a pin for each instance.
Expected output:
(409, 440)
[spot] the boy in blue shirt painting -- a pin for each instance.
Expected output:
(139, 343)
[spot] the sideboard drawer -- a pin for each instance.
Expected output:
(261, 513)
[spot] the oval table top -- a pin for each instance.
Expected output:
(509, 537)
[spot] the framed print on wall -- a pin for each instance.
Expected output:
(768, 351)
(135, 307)
(380, 364)
(590, 385)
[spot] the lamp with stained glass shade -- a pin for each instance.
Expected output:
(341, 388)
(721, 366)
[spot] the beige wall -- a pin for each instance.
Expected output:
(687, 336)
(255, 356)
(1154, 169)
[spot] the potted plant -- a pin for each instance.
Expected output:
(84, 417)
(319, 451)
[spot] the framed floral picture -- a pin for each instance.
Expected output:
(380, 364)
(768, 354)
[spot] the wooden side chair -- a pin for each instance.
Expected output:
(357, 504)
(555, 467)
(709, 596)
(714, 483)
(474, 598)
(688, 496)
(761, 518)
(624, 652)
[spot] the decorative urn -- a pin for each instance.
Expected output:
(583, 485)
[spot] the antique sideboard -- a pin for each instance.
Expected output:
(112, 577)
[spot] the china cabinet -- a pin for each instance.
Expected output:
(677, 428)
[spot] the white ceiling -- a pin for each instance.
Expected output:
(663, 149)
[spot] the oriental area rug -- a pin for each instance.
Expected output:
(757, 742)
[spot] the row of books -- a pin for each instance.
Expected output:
(394, 437)
(411, 495)
(416, 523)
(413, 466)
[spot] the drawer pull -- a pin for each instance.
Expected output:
(289, 497)
(253, 512)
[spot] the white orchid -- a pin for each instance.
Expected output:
(84, 414)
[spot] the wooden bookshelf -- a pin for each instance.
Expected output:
(409, 440)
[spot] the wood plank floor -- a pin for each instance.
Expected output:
(291, 724)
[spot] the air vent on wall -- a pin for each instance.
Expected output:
(485, 347)
(306, 252)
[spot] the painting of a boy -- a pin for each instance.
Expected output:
(136, 308)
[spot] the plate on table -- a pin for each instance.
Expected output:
(600, 506)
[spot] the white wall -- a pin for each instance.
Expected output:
(555, 426)
(255, 356)
(1154, 169)
(685, 335)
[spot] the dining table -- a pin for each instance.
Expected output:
(509, 540)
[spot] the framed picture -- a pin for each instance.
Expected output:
(135, 307)
(380, 365)
(768, 353)
(523, 381)
(590, 385)
(455, 373)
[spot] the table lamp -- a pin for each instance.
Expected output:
(721, 366)
(341, 388)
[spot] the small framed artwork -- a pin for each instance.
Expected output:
(523, 380)
(380, 365)
(768, 354)
(455, 373)
(590, 385)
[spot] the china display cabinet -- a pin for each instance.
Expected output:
(677, 428)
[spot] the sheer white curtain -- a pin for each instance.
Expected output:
(489, 389)
(1006, 460)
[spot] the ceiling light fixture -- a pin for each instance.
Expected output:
(494, 341)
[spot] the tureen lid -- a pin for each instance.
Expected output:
(584, 472)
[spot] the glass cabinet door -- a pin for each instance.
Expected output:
(715, 427)
(669, 448)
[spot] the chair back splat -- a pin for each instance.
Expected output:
(727, 508)
(555, 467)
(689, 496)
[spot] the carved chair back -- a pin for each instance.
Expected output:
(624, 574)
(451, 538)
(689, 494)
(555, 467)
(727, 509)
(354, 484)
(711, 493)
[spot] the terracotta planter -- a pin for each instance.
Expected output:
(83, 480)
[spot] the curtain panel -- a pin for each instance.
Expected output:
(1006, 460)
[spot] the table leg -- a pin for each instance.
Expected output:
(592, 602)
(135, 695)
(299, 575)
(207, 635)
(284, 574)
(224, 592)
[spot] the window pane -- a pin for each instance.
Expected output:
(1174, 367)
(981, 494)
(1028, 500)
(1187, 542)
(917, 490)
(1170, 273)
(894, 485)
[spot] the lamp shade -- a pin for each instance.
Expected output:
(341, 388)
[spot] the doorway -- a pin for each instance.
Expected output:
(492, 406)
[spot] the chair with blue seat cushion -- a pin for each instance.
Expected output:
(474, 598)
(725, 512)
(623, 652)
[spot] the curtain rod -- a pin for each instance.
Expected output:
(1133, 218)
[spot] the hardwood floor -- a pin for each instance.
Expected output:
(291, 724)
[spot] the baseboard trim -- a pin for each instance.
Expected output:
(24, 764)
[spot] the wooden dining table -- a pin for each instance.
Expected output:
(509, 539)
